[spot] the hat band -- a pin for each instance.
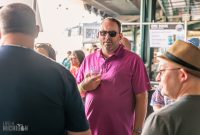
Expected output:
(181, 62)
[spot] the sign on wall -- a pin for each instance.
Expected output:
(90, 32)
(164, 35)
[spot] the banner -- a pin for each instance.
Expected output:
(164, 35)
(90, 32)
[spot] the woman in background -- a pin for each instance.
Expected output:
(76, 58)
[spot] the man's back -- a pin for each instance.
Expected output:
(35, 95)
(179, 118)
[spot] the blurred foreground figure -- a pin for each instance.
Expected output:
(179, 79)
(37, 95)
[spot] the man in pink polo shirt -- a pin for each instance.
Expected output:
(115, 83)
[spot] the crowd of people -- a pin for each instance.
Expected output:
(103, 93)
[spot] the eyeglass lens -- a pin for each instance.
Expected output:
(111, 33)
(163, 70)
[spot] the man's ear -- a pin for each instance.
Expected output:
(184, 75)
(37, 30)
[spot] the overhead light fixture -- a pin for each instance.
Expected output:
(94, 10)
(88, 7)
(101, 13)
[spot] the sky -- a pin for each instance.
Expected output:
(56, 16)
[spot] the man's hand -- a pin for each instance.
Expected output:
(91, 82)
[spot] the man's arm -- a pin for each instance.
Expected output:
(88, 132)
(91, 82)
(140, 111)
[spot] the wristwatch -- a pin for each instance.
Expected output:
(138, 130)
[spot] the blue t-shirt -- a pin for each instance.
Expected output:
(37, 95)
(66, 62)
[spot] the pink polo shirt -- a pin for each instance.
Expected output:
(110, 107)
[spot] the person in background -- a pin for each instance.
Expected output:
(76, 58)
(66, 62)
(158, 100)
(127, 44)
(37, 95)
(178, 77)
(115, 82)
(46, 50)
(93, 48)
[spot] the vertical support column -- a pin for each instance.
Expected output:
(147, 14)
(186, 29)
(149, 51)
(142, 19)
(134, 33)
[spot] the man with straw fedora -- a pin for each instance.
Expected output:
(179, 79)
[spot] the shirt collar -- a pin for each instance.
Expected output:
(118, 52)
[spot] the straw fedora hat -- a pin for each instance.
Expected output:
(184, 54)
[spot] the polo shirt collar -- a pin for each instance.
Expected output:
(118, 52)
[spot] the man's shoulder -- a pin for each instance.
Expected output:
(94, 55)
(162, 116)
(180, 117)
(131, 53)
(169, 111)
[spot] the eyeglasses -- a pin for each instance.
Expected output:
(111, 33)
(161, 71)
